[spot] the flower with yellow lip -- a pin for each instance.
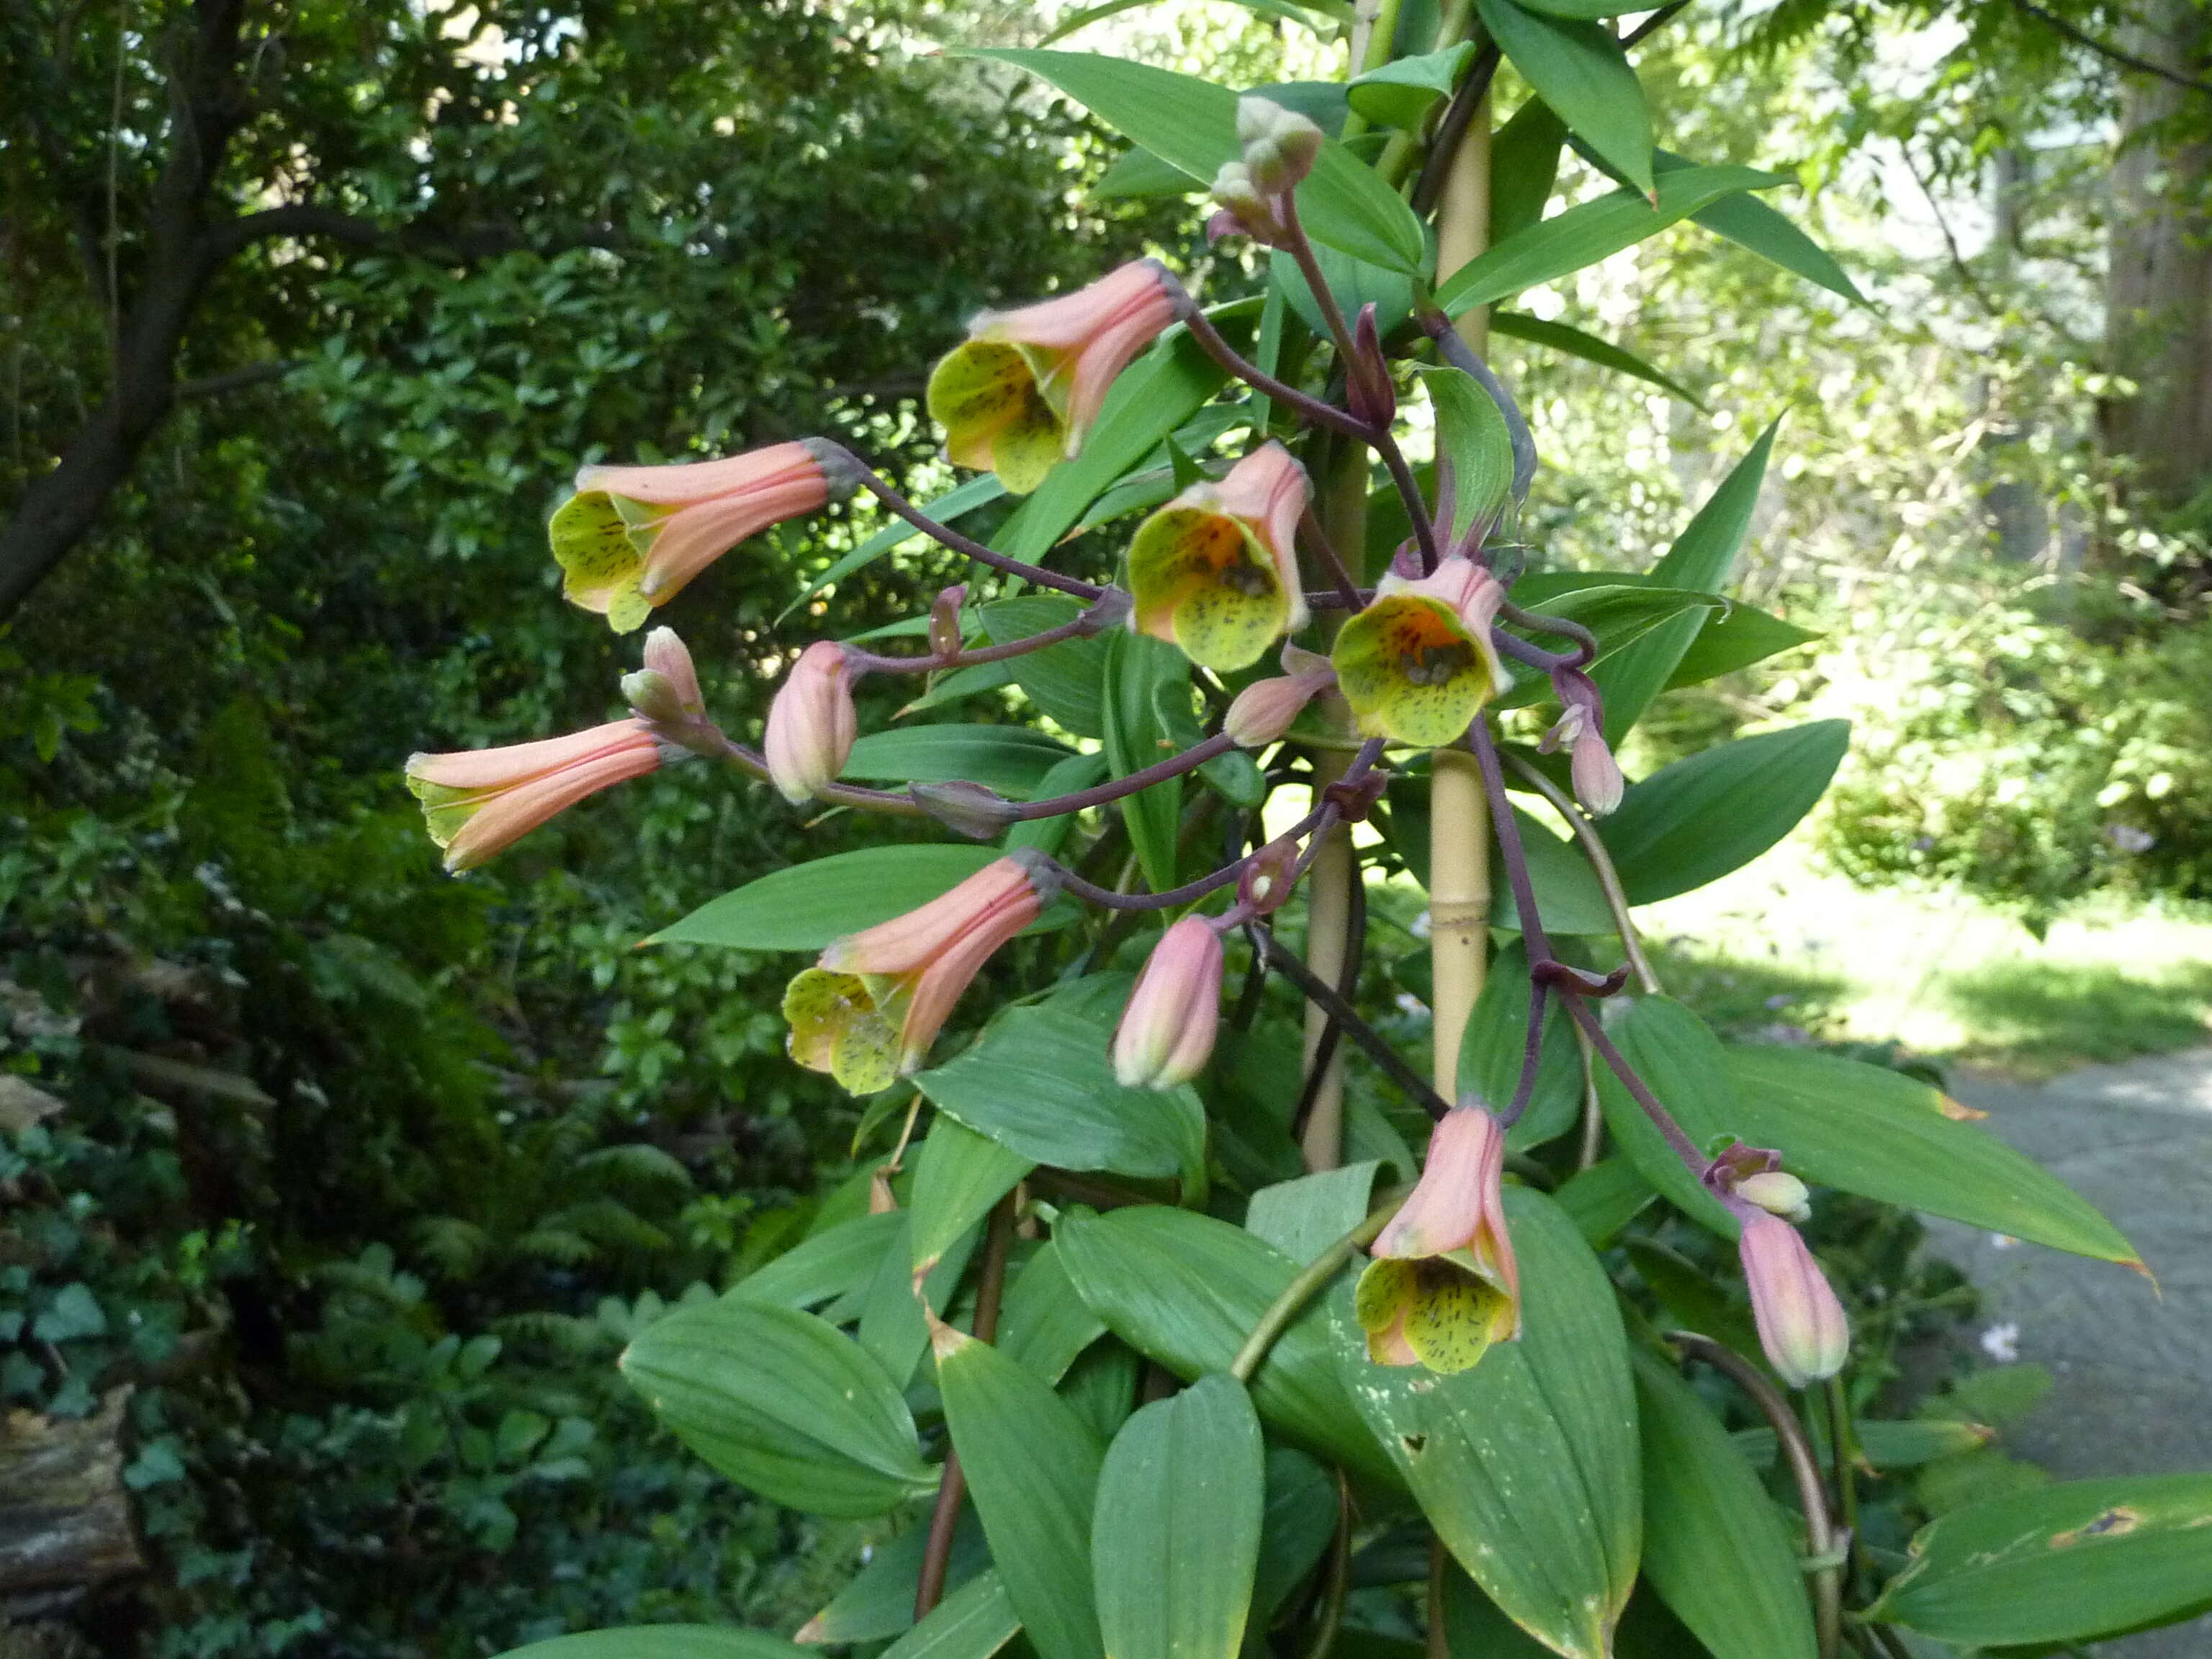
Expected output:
(1443, 1286)
(1418, 665)
(631, 536)
(477, 802)
(1216, 569)
(1018, 396)
(869, 1008)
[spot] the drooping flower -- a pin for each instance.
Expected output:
(1166, 1033)
(1801, 1326)
(868, 1010)
(631, 536)
(1444, 1284)
(1417, 664)
(1580, 730)
(1216, 569)
(1020, 394)
(1266, 709)
(479, 801)
(811, 723)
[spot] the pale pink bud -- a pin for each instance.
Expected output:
(1777, 1194)
(1243, 210)
(811, 723)
(1801, 1324)
(476, 802)
(1167, 1031)
(666, 689)
(1264, 710)
(1594, 773)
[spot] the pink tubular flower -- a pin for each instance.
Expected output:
(631, 536)
(868, 1010)
(1215, 571)
(1264, 710)
(477, 801)
(811, 723)
(1444, 1284)
(1801, 1324)
(1019, 396)
(1417, 664)
(1594, 773)
(1166, 1033)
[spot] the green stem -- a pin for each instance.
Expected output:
(1301, 1290)
(1340, 1576)
(1843, 1448)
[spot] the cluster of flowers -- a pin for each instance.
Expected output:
(1215, 571)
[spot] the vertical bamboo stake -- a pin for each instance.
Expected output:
(1458, 820)
(1328, 882)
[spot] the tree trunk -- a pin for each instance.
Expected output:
(64, 1514)
(2159, 287)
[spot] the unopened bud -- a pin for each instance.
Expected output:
(811, 723)
(979, 813)
(1264, 710)
(1595, 775)
(1801, 1324)
(1373, 398)
(1166, 1033)
(1777, 1194)
(1279, 144)
(650, 696)
(945, 637)
(1245, 210)
(1267, 881)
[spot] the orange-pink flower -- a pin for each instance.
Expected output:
(1019, 396)
(1264, 710)
(1216, 569)
(631, 536)
(477, 801)
(1444, 1284)
(868, 1010)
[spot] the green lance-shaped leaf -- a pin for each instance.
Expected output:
(1065, 680)
(1402, 92)
(1715, 1547)
(973, 1622)
(1185, 1290)
(1695, 821)
(1868, 1130)
(1524, 167)
(1305, 1217)
(1837, 1123)
(1588, 233)
(1495, 1041)
(1700, 559)
(1580, 71)
(1736, 636)
(1010, 759)
(1568, 895)
(1044, 1325)
(877, 1603)
(834, 1261)
(664, 1642)
(1602, 1200)
(959, 1175)
(1527, 1465)
(1621, 614)
(1138, 668)
(804, 907)
(1175, 1536)
(1577, 342)
(1040, 1084)
(1296, 1528)
(1032, 1468)
(1192, 123)
(2065, 1563)
(783, 1403)
(1472, 437)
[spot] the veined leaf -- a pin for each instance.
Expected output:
(1044, 1324)
(959, 1176)
(973, 1622)
(1734, 637)
(663, 1642)
(1590, 232)
(1524, 167)
(804, 907)
(1137, 669)
(1305, 1217)
(1062, 680)
(1473, 439)
(1192, 123)
(1562, 336)
(1010, 759)
(1580, 70)
(1323, 16)
(1402, 93)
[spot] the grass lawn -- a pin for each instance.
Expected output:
(1783, 944)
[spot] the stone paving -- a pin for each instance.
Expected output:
(2132, 1366)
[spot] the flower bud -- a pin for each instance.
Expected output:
(1777, 1194)
(945, 638)
(1241, 205)
(1279, 144)
(811, 723)
(1372, 395)
(1594, 773)
(1166, 1033)
(1267, 881)
(1801, 1324)
(976, 812)
(1264, 710)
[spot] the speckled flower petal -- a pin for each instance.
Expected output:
(838, 1027)
(985, 394)
(1202, 579)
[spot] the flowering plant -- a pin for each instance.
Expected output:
(1324, 652)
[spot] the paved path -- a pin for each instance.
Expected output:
(2133, 1390)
